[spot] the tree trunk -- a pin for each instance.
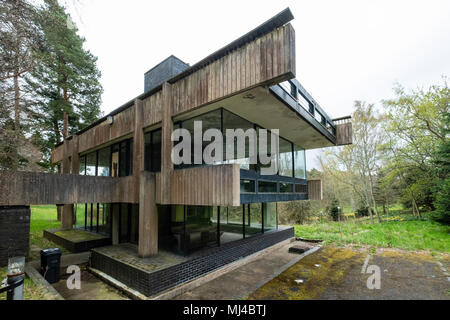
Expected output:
(15, 160)
(371, 216)
(416, 208)
(373, 198)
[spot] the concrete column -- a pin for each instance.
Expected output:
(166, 148)
(148, 216)
(138, 143)
(67, 210)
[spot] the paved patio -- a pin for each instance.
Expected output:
(128, 253)
(242, 281)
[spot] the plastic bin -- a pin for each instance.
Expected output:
(50, 264)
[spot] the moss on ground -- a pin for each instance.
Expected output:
(333, 263)
(77, 235)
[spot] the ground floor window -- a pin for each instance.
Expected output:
(94, 217)
(188, 228)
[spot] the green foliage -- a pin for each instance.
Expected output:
(408, 234)
(294, 212)
(416, 127)
(66, 80)
(334, 210)
(362, 212)
(442, 182)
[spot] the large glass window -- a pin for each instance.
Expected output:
(269, 216)
(285, 164)
(253, 219)
(299, 162)
(82, 165)
(241, 152)
(200, 229)
(231, 220)
(153, 150)
(210, 120)
(91, 163)
(104, 161)
(125, 158)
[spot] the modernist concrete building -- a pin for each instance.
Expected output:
(118, 179)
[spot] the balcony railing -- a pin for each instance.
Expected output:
(296, 91)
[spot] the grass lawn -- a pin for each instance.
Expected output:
(402, 233)
(42, 217)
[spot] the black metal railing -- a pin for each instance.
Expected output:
(297, 92)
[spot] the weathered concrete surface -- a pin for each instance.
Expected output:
(336, 273)
(243, 280)
(92, 288)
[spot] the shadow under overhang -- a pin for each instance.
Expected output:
(269, 109)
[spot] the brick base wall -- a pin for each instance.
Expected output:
(150, 283)
(14, 232)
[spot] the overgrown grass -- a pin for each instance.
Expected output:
(400, 232)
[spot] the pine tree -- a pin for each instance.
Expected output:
(20, 38)
(66, 81)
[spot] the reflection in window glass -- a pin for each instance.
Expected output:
(91, 161)
(231, 224)
(153, 151)
(200, 229)
(270, 216)
(267, 186)
(247, 185)
(82, 165)
(286, 187)
(299, 162)
(285, 164)
(209, 120)
(253, 219)
(232, 121)
(104, 160)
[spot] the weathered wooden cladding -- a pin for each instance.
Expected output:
(26, 188)
(152, 109)
(344, 134)
(315, 190)
(204, 186)
(266, 60)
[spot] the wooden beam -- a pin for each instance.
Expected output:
(148, 216)
(26, 188)
(315, 190)
(344, 134)
(207, 186)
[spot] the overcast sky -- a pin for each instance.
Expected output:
(346, 50)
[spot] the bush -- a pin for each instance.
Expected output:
(334, 210)
(362, 212)
(442, 202)
(294, 212)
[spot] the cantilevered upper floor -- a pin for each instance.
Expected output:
(249, 83)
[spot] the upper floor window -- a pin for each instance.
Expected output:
(115, 160)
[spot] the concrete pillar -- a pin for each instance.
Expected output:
(67, 210)
(167, 144)
(148, 216)
(138, 143)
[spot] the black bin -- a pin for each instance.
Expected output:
(50, 264)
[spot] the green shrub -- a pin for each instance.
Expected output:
(334, 210)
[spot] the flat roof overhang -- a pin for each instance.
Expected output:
(272, 108)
